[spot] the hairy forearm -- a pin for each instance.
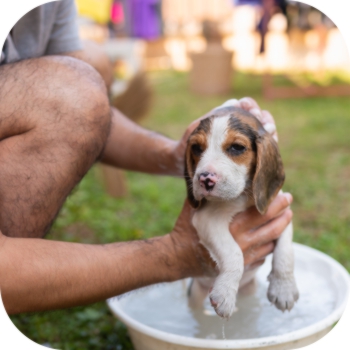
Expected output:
(129, 146)
(37, 275)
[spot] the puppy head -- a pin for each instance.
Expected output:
(229, 154)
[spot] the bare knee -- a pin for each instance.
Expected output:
(79, 87)
(57, 94)
(77, 103)
(94, 55)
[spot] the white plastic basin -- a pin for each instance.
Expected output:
(321, 280)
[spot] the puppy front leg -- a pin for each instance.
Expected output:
(283, 291)
(215, 236)
(224, 292)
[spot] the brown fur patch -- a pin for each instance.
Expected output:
(248, 157)
(269, 174)
(198, 138)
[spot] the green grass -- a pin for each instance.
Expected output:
(314, 141)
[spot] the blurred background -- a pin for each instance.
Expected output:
(260, 37)
(171, 62)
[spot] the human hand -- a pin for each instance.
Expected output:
(265, 117)
(254, 233)
(246, 103)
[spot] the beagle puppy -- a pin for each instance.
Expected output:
(231, 164)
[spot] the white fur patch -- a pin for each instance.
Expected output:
(231, 176)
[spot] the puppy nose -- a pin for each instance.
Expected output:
(207, 180)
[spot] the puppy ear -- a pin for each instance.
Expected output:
(189, 171)
(269, 173)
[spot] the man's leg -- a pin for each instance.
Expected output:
(54, 122)
(94, 54)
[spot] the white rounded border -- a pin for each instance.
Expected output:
(11, 11)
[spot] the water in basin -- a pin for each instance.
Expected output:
(164, 306)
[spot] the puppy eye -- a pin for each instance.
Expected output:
(236, 149)
(196, 150)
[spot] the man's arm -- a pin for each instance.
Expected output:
(129, 146)
(37, 275)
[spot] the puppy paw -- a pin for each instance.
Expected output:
(223, 299)
(282, 292)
